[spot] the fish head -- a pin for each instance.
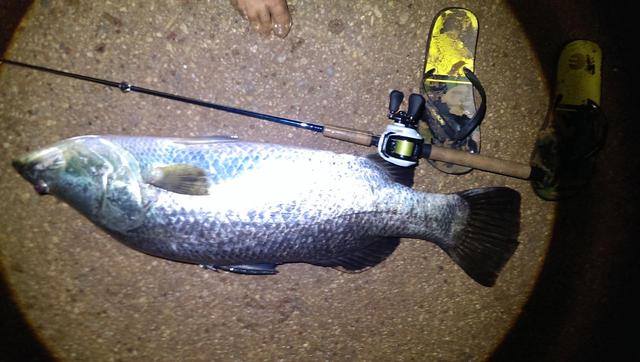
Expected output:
(93, 175)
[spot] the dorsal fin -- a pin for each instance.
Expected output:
(402, 175)
(364, 258)
(181, 179)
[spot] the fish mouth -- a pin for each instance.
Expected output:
(21, 164)
(27, 166)
(31, 165)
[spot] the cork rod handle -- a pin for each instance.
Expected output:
(348, 134)
(480, 162)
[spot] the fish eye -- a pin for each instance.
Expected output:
(41, 187)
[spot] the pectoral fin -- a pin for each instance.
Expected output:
(181, 179)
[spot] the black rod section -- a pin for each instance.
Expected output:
(126, 87)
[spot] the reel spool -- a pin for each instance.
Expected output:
(400, 143)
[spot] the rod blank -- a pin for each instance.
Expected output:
(126, 87)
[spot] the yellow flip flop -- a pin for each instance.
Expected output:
(448, 86)
(575, 129)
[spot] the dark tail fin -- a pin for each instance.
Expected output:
(490, 234)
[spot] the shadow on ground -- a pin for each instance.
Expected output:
(581, 306)
(17, 342)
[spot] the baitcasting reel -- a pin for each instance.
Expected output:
(400, 143)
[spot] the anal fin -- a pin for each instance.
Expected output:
(364, 258)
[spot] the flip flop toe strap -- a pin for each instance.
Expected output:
(454, 128)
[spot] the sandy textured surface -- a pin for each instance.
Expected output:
(89, 297)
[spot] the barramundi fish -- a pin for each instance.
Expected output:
(248, 207)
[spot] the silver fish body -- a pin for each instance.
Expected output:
(248, 207)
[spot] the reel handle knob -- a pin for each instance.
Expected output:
(395, 99)
(416, 106)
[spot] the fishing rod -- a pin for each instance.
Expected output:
(400, 143)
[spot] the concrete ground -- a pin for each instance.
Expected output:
(87, 297)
